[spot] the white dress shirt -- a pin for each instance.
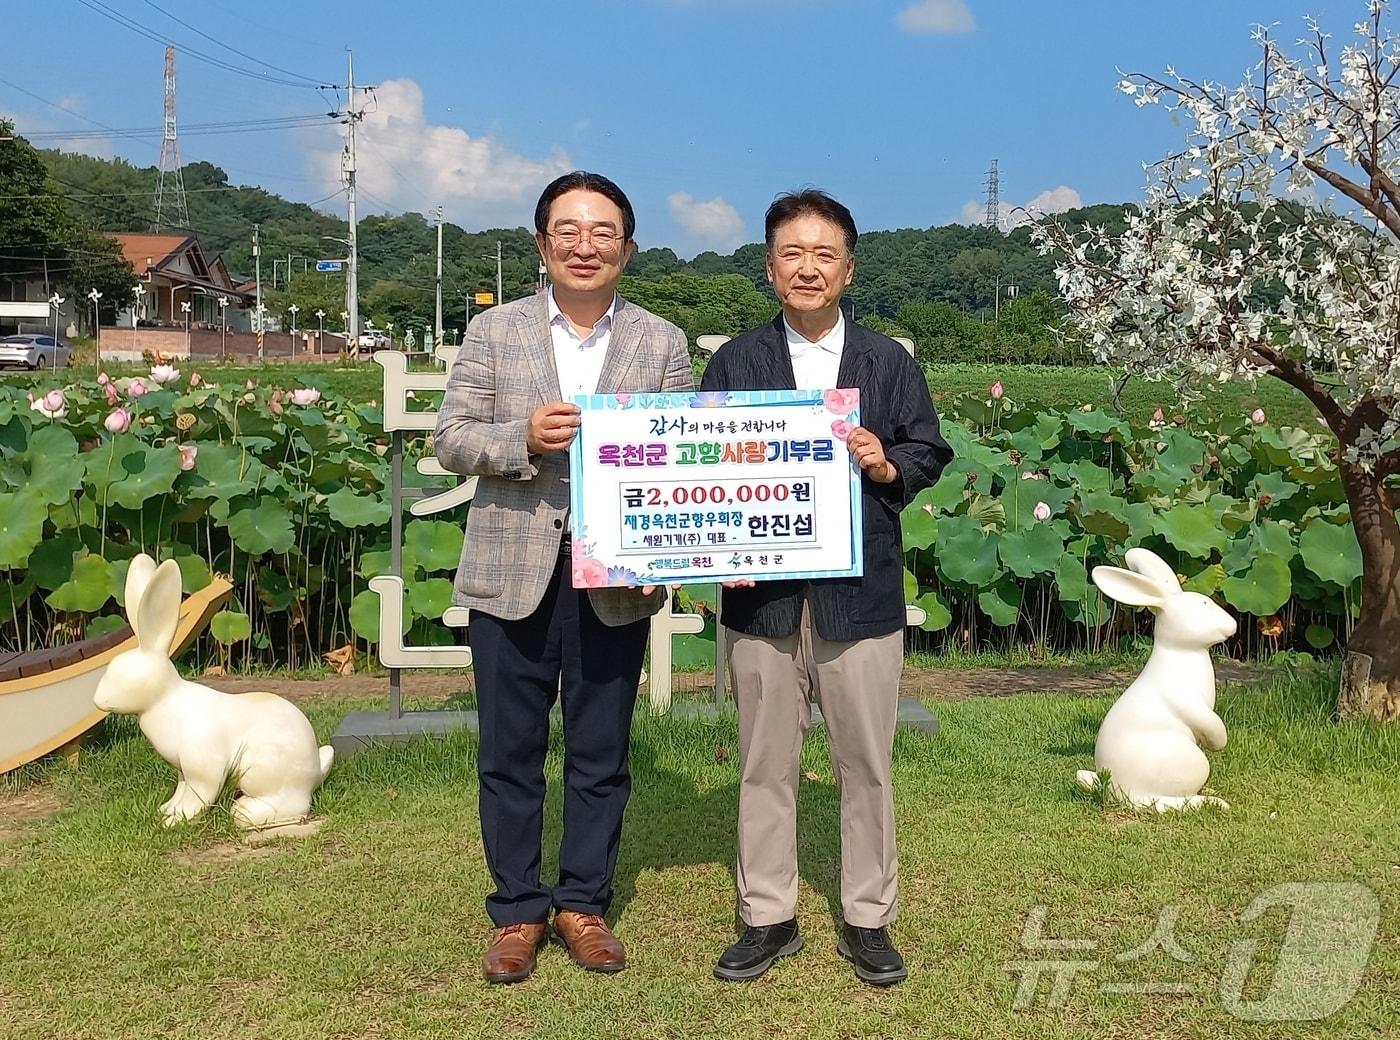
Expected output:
(815, 364)
(579, 359)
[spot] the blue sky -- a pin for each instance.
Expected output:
(701, 109)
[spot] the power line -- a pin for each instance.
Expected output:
(398, 172)
(194, 129)
(55, 105)
(220, 43)
(124, 194)
(101, 8)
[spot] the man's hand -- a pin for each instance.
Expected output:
(869, 454)
(551, 427)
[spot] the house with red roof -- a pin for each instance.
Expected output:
(173, 270)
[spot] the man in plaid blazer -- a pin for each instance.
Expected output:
(533, 635)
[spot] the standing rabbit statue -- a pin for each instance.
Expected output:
(1149, 743)
(264, 741)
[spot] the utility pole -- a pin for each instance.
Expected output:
(257, 277)
(437, 300)
(352, 114)
(499, 299)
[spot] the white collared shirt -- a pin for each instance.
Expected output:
(815, 364)
(579, 359)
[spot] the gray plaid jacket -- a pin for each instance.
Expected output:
(504, 371)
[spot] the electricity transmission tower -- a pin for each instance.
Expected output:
(993, 217)
(171, 206)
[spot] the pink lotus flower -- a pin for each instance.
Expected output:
(112, 396)
(118, 421)
(188, 453)
(589, 573)
(1257, 417)
(842, 402)
(1159, 416)
(196, 379)
(841, 429)
(53, 405)
(1041, 511)
(997, 390)
(136, 388)
(103, 379)
(305, 396)
(163, 374)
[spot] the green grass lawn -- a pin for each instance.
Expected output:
(113, 927)
(1066, 387)
(1059, 387)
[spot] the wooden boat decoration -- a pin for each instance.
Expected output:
(46, 695)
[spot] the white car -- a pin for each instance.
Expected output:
(374, 339)
(34, 351)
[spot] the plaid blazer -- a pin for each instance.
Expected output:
(520, 513)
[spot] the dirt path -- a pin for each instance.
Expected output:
(926, 683)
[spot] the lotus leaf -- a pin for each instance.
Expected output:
(1331, 552)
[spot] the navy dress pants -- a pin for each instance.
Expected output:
(518, 666)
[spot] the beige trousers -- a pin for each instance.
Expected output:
(856, 685)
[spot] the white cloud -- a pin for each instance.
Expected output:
(714, 224)
(410, 164)
(1056, 200)
(936, 16)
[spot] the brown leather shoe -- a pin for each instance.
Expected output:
(511, 955)
(590, 941)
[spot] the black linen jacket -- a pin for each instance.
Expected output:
(896, 406)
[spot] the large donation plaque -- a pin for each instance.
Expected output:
(703, 487)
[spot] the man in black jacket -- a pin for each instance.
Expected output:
(839, 641)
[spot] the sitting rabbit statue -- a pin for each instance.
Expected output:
(264, 741)
(1149, 741)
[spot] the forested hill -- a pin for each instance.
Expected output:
(956, 264)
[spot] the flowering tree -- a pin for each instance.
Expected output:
(1231, 268)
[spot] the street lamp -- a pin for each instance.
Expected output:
(292, 309)
(138, 293)
(223, 318)
(186, 306)
(94, 296)
(320, 332)
(55, 301)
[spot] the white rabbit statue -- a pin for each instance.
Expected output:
(264, 741)
(1149, 741)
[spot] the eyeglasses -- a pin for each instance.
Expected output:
(568, 238)
(792, 256)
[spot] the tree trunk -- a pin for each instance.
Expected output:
(1370, 686)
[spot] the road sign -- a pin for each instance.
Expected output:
(330, 265)
(484, 299)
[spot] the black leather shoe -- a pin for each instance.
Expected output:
(876, 960)
(757, 949)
